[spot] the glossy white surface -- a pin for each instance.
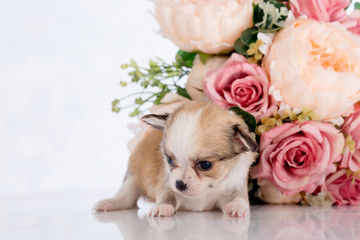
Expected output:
(70, 217)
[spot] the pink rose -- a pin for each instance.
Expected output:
(323, 10)
(351, 127)
(240, 83)
(352, 22)
(344, 188)
(298, 156)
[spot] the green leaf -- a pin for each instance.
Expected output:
(139, 101)
(269, 15)
(258, 14)
(248, 118)
(357, 6)
(160, 96)
(240, 47)
(269, 30)
(182, 92)
(115, 106)
(203, 57)
(185, 58)
(249, 36)
(135, 112)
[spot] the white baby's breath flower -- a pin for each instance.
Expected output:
(337, 121)
(290, 18)
(322, 199)
(284, 109)
(267, 39)
(275, 93)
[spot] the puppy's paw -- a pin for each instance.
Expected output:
(162, 210)
(162, 223)
(238, 207)
(109, 204)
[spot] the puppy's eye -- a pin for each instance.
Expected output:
(204, 165)
(170, 161)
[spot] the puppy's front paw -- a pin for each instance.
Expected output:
(105, 205)
(238, 207)
(162, 210)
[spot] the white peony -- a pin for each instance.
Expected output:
(209, 26)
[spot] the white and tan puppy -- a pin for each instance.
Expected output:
(196, 158)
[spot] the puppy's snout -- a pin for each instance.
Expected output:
(180, 185)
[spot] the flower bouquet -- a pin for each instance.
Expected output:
(291, 69)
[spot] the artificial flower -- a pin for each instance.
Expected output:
(323, 10)
(209, 26)
(194, 84)
(316, 65)
(298, 156)
(344, 187)
(351, 128)
(240, 83)
(352, 22)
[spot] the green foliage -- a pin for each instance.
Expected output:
(247, 37)
(115, 105)
(270, 16)
(185, 58)
(158, 79)
(357, 6)
(203, 57)
(241, 47)
(248, 118)
(182, 92)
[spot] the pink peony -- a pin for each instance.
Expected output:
(240, 83)
(344, 187)
(316, 65)
(323, 10)
(298, 156)
(352, 22)
(351, 127)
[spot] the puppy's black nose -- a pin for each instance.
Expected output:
(180, 185)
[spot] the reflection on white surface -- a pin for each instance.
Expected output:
(59, 217)
(267, 222)
(185, 225)
(301, 222)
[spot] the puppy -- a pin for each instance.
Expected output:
(196, 158)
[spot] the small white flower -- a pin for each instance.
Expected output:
(297, 110)
(275, 93)
(290, 19)
(322, 199)
(337, 121)
(267, 39)
(284, 108)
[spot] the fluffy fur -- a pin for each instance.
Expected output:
(172, 153)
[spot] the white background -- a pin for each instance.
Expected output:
(59, 71)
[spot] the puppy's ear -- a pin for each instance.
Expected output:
(245, 139)
(157, 121)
